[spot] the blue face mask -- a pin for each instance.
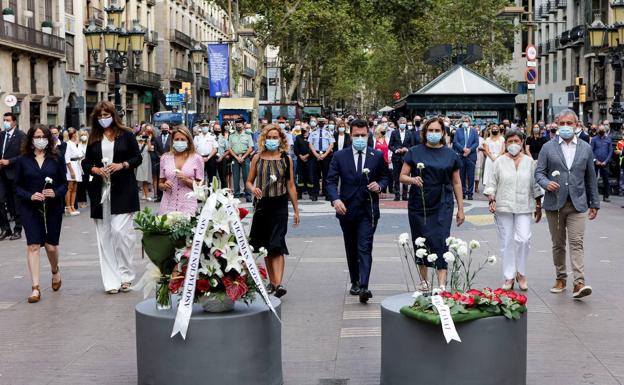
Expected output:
(566, 132)
(434, 137)
(6, 125)
(180, 145)
(359, 143)
(271, 144)
(248, 131)
(402, 126)
(282, 125)
(205, 130)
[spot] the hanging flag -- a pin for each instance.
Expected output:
(219, 67)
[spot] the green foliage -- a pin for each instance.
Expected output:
(149, 223)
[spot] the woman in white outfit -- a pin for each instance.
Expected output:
(514, 196)
(112, 156)
(493, 147)
(73, 157)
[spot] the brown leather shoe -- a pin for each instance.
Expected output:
(35, 298)
(56, 285)
(560, 285)
(581, 290)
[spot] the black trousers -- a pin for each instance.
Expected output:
(320, 170)
(358, 240)
(397, 164)
(210, 170)
(81, 191)
(305, 179)
(9, 204)
(603, 172)
(221, 172)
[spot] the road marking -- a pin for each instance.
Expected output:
(360, 332)
(354, 300)
(604, 237)
(388, 286)
(6, 305)
(605, 261)
(361, 314)
(480, 220)
(18, 277)
(307, 241)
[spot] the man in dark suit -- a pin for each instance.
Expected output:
(11, 141)
(362, 175)
(400, 142)
(465, 144)
(162, 144)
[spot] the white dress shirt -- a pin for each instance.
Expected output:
(569, 150)
(205, 143)
(402, 135)
(341, 139)
(7, 137)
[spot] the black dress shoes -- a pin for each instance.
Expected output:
(469, 197)
(396, 198)
(355, 289)
(15, 236)
(365, 295)
(4, 235)
(313, 198)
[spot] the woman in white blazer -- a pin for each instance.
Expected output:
(514, 196)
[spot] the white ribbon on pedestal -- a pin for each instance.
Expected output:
(448, 326)
(185, 307)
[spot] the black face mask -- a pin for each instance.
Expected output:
(602, 132)
(494, 132)
(553, 130)
(417, 123)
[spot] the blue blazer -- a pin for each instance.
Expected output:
(395, 143)
(30, 178)
(12, 151)
(353, 192)
(473, 143)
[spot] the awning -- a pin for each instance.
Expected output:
(237, 104)
(386, 109)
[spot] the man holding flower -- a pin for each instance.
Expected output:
(565, 169)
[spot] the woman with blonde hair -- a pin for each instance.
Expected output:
(111, 157)
(179, 169)
(272, 183)
(73, 157)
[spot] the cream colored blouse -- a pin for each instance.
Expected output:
(515, 190)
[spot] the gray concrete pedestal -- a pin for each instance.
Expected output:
(493, 350)
(243, 346)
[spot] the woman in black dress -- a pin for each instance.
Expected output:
(274, 185)
(433, 170)
(41, 184)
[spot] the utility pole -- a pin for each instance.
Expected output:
(529, 125)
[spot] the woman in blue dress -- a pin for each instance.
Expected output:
(41, 184)
(432, 168)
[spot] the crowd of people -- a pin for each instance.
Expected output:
(351, 161)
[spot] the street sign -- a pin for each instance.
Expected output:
(174, 99)
(531, 64)
(396, 95)
(10, 100)
(531, 52)
(531, 86)
(530, 75)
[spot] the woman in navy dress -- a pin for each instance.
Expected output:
(40, 179)
(433, 168)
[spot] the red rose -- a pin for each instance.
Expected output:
(203, 285)
(500, 291)
(495, 300)
(175, 284)
(217, 253)
(263, 272)
(242, 213)
(474, 292)
(235, 289)
(511, 295)
(446, 294)
(521, 299)
(456, 296)
(467, 300)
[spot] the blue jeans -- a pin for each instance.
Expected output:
(236, 175)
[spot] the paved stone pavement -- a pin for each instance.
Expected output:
(80, 335)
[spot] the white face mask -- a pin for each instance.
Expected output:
(83, 138)
(514, 149)
(105, 122)
(40, 143)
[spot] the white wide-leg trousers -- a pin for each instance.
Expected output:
(116, 240)
(514, 235)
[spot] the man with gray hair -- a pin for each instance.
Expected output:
(565, 169)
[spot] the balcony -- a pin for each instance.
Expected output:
(94, 76)
(249, 72)
(151, 38)
(31, 40)
(540, 49)
(151, 2)
(182, 75)
(248, 94)
(142, 78)
(97, 15)
(562, 4)
(552, 6)
(204, 82)
(181, 39)
(552, 46)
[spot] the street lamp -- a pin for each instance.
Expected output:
(117, 42)
(197, 54)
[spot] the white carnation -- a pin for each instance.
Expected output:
(462, 250)
(420, 241)
(449, 257)
(421, 253)
(450, 241)
(491, 259)
(474, 244)
(555, 173)
(365, 171)
(403, 239)
(420, 166)
(48, 180)
(417, 294)
(432, 257)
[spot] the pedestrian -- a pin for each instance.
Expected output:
(580, 132)
(342, 138)
(433, 171)
(381, 145)
(81, 190)
(206, 146)
(11, 140)
(465, 144)
(535, 142)
(362, 174)
(73, 158)
(180, 168)
(222, 161)
(321, 143)
(401, 141)
(111, 158)
(513, 196)
(240, 148)
(480, 161)
(619, 156)
(41, 185)
(271, 181)
(493, 148)
(603, 151)
(143, 173)
(304, 163)
(565, 169)
(162, 145)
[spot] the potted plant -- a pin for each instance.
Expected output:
(46, 27)
(8, 14)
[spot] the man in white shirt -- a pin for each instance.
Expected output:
(206, 146)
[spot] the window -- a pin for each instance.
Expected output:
(15, 73)
(48, 10)
(69, 6)
(33, 80)
(51, 78)
(13, 6)
(564, 67)
(555, 69)
(69, 52)
(30, 5)
(546, 72)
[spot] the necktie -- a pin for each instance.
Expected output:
(359, 163)
(321, 140)
(466, 135)
(7, 137)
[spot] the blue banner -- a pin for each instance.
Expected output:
(219, 67)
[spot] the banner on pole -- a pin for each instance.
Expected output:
(219, 67)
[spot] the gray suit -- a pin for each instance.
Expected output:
(578, 183)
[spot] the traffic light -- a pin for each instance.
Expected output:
(579, 81)
(582, 93)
